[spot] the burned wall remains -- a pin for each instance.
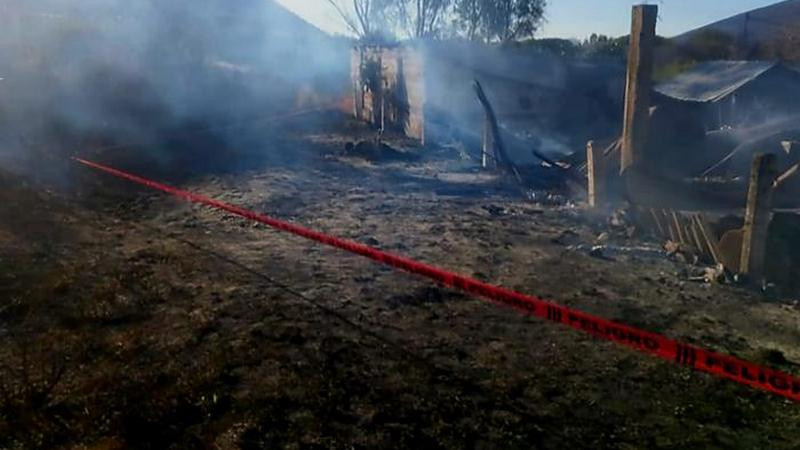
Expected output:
(389, 88)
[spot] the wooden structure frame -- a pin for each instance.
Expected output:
(741, 251)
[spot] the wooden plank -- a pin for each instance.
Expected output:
(792, 171)
(670, 226)
(698, 241)
(679, 231)
(757, 216)
(613, 148)
(687, 231)
(730, 249)
(638, 84)
(709, 237)
(595, 165)
(660, 227)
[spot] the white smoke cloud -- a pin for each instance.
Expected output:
(126, 68)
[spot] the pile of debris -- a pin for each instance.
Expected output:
(375, 150)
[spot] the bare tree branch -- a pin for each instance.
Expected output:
(362, 17)
(347, 18)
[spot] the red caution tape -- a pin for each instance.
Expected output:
(717, 364)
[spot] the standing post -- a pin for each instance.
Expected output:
(357, 78)
(488, 145)
(638, 85)
(757, 217)
(595, 165)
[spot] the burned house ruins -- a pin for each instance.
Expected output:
(221, 227)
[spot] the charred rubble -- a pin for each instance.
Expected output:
(705, 165)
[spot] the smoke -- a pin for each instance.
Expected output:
(542, 100)
(126, 71)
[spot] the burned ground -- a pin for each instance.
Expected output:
(132, 319)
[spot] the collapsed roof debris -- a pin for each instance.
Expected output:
(715, 81)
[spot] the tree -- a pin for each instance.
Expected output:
(499, 20)
(511, 20)
(602, 46)
(469, 17)
(567, 48)
(421, 18)
(366, 18)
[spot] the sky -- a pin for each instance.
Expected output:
(578, 18)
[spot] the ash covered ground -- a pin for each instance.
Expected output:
(132, 319)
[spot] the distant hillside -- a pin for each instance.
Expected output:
(771, 32)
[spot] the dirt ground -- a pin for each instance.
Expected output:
(131, 319)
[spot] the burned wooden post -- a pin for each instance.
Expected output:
(638, 85)
(488, 156)
(780, 180)
(757, 216)
(595, 166)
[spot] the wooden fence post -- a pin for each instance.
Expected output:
(757, 217)
(595, 165)
(488, 158)
(638, 85)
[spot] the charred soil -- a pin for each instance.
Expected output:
(130, 319)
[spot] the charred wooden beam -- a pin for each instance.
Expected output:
(497, 138)
(638, 85)
(696, 238)
(569, 172)
(709, 237)
(613, 147)
(679, 230)
(670, 225)
(730, 249)
(655, 215)
(792, 171)
(757, 216)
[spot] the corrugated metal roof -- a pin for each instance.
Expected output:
(714, 80)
